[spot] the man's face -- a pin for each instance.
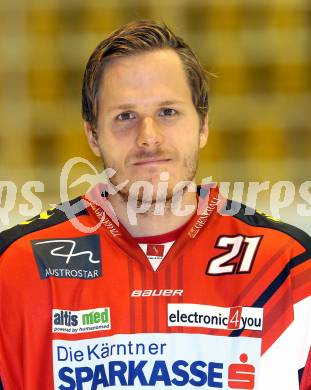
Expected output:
(147, 123)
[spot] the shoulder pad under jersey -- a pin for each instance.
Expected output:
(44, 220)
(259, 219)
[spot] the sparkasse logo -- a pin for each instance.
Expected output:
(92, 320)
(157, 361)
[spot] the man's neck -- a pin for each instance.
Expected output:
(149, 223)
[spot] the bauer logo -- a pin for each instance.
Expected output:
(81, 321)
(215, 317)
(68, 258)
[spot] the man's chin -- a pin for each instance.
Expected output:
(158, 188)
(151, 195)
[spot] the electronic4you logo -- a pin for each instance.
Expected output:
(215, 317)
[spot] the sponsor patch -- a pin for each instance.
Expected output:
(81, 321)
(158, 361)
(215, 317)
(68, 258)
(156, 293)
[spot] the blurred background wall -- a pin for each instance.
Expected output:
(260, 99)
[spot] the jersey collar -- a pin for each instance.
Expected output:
(98, 206)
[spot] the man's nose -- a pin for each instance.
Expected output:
(149, 134)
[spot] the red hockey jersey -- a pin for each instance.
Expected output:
(229, 306)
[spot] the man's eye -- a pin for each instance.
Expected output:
(125, 116)
(168, 112)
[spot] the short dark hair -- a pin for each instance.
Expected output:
(134, 38)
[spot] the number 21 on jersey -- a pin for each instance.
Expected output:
(239, 255)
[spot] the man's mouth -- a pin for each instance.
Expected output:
(152, 161)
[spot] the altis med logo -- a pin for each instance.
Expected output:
(158, 361)
(68, 257)
(68, 321)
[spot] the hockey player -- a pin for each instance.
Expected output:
(171, 290)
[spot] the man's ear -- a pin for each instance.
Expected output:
(204, 132)
(92, 137)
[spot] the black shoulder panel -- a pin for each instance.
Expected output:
(259, 219)
(61, 213)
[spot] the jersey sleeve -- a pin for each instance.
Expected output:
(24, 298)
(301, 284)
(305, 383)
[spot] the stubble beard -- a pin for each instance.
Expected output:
(190, 164)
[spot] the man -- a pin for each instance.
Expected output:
(181, 296)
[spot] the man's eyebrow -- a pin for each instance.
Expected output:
(133, 106)
(169, 102)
